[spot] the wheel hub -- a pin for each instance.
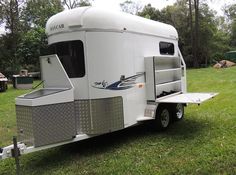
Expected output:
(179, 111)
(165, 118)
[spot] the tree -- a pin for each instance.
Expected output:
(25, 39)
(37, 12)
(233, 34)
(33, 42)
(196, 34)
(150, 13)
(230, 12)
(70, 4)
(191, 25)
(10, 15)
(207, 31)
(131, 7)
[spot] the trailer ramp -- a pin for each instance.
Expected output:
(186, 98)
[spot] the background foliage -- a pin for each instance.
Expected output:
(203, 36)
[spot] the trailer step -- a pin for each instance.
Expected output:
(194, 98)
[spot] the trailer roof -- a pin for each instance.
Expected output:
(92, 18)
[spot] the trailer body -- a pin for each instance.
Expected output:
(109, 71)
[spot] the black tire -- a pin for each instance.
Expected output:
(4, 88)
(163, 117)
(177, 111)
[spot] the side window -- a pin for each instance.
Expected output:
(166, 48)
(71, 54)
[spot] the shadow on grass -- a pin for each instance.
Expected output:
(185, 130)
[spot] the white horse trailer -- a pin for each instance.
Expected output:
(109, 71)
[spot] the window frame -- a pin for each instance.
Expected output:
(172, 51)
(78, 71)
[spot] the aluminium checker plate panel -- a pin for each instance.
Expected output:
(47, 124)
(25, 124)
(98, 116)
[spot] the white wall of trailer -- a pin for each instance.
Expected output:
(112, 54)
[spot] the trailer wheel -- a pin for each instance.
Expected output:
(163, 117)
(177, 112)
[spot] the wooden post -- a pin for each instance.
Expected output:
(16, 155)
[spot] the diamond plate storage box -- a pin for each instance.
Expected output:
(47, 124)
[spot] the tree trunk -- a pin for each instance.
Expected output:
(196, 34)
(14, 27)
(191, 25)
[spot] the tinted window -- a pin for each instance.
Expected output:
(166, 48)
(71, 54)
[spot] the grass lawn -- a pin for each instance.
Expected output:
(203, 143)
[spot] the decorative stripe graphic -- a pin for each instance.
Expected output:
(123, 84)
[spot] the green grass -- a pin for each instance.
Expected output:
(7, 114)
(203, 143)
